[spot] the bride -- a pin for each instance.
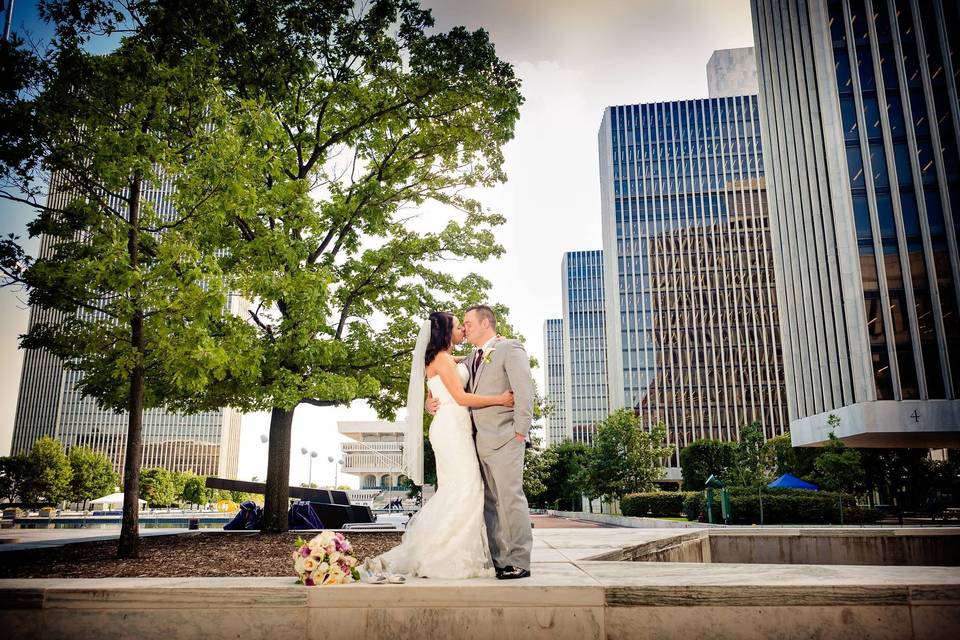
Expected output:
(447, 538)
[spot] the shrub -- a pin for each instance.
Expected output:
(785, 506)
(657, 503)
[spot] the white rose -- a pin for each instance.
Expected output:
(335, 556)
(323, 567)
(326, 538)
(298, 565)
(309, 564)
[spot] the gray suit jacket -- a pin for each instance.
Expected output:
(505, 366)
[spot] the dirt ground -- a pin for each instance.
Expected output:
(196, 554)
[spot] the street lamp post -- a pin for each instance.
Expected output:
(313, 454)
(336, 468)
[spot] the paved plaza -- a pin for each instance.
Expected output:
(583, 586)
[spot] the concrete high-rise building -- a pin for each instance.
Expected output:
(732, 72)
(692, 337)
(49, 403)
(861, 128)
(584, 344)
(555, 430)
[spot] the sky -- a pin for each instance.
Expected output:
(574, 58)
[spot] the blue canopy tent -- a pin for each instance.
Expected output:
(787, 481)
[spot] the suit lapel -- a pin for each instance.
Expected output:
(483, 363)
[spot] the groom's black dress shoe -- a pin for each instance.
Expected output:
(512, 573)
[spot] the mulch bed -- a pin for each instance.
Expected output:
(197, 554)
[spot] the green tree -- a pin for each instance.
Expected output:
(702, 458)
(13, 475)
(134, 286)
(537, 466)
(751, 460)
(93, 475)
(361, 112)
(158, 488)
(194, 490)
(49, 472)
(838, 468)
(565, 463)
(625, 457)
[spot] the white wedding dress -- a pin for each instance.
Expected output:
(447, 538)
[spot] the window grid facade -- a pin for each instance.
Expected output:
(692, 330)
(860, 113)
(49, 403)
(556, 421)
(584, 344)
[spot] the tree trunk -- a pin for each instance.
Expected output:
(129, 546)
(276, 496)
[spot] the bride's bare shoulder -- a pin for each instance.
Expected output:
(442, 360)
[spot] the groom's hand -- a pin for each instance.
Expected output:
(432, 405)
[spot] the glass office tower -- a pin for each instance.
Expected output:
(584, 344)
(692, 337)
(555, 430)
(860, 122)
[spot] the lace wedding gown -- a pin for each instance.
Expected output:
(447, 538)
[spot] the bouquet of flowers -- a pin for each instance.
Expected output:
(325, 559)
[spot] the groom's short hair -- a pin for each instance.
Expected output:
(486, 312)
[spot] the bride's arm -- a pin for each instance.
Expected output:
(448, 375)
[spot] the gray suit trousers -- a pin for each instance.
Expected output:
(505, 509)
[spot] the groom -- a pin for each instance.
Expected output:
(496, 365)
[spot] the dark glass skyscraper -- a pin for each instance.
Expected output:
(860, 122)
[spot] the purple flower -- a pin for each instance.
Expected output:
(308, 582)
(305, 551)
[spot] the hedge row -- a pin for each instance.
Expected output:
(786, 506)
(659, 503)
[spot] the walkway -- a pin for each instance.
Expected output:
(571, 595)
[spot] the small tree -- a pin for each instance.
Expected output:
(702, 458)
(625, 457)
(838, 468)
(194, 490)
(49, 473)
(565, 463)
(93, 475)
(13, 476)
(537, 466)
(158, 488)
(751, 459)
(133, 291)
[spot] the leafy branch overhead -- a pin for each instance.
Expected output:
(360, 116)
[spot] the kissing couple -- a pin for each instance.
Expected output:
(477, 524)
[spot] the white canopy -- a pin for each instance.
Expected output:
(114, 498)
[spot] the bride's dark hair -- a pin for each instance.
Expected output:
(441, 335)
